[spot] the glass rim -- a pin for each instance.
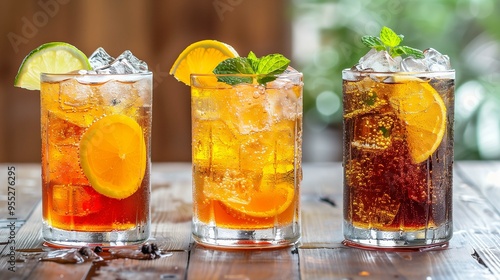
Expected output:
(443, 73)
(71, 74)
(93, 78)
(245, 75)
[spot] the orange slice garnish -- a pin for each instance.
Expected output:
(200, 58)
(423, 111)
(262, 203)
(113, 156)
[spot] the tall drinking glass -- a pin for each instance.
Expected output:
(246, 151)
(96, 132)
(398, 158)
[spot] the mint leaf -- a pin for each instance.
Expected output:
(390, 41)
(413, 52)
(254, 60)
(396, 51)
(389, 37)
(252, 56)
(372, 42)
(266, 67)
(236, 65)
(385, 132)
(370, 99)
(270, 66)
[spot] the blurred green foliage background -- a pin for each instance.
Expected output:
(468, 31)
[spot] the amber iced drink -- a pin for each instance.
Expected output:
(246, 145)
(247, 161)
(398, 150)
(95, 129)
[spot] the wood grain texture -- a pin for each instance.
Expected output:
(350, 263)
(473, 253)
(206, 263)
(171, 206)
(172, 266)
(321, 206)
(484, 177)
(476, 217)
(27, 186)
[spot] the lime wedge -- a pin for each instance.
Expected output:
(55, 58)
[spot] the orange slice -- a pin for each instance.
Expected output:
(200, 58)
(264, 203)
(422, 109)
(113, 156)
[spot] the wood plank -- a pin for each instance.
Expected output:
(206, 263)
(321, 224)
(52, 270)
(27, 237)
(171, 205)
(474, 251)
(172, 266)
(27, 195)
(351, 263)
(321, 206)
(476, 219)
(484, 176)
(27, 190)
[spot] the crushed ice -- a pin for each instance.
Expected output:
(125, 63)
(381, 61)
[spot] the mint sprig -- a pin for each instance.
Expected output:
(266, 68)
(389, 40)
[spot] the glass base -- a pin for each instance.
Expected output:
(276, 237)
(419, 240)
(65, 238)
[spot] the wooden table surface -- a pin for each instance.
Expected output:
(473, 253)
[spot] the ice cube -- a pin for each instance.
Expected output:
(224, 145)
(247, 109)
(283, 103)
(282, 96)
(364, 97)
(383, 210)
(206, 108)
(232, 185)
(411, 64)
(63, 168)
(291, 75)
(255, 150)
(62, 131)
(74, 200)
(100, 58)
(74, 97)
(436, 61)
(125, 63)
(118, 94)
(379, 61)
(143, 87)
